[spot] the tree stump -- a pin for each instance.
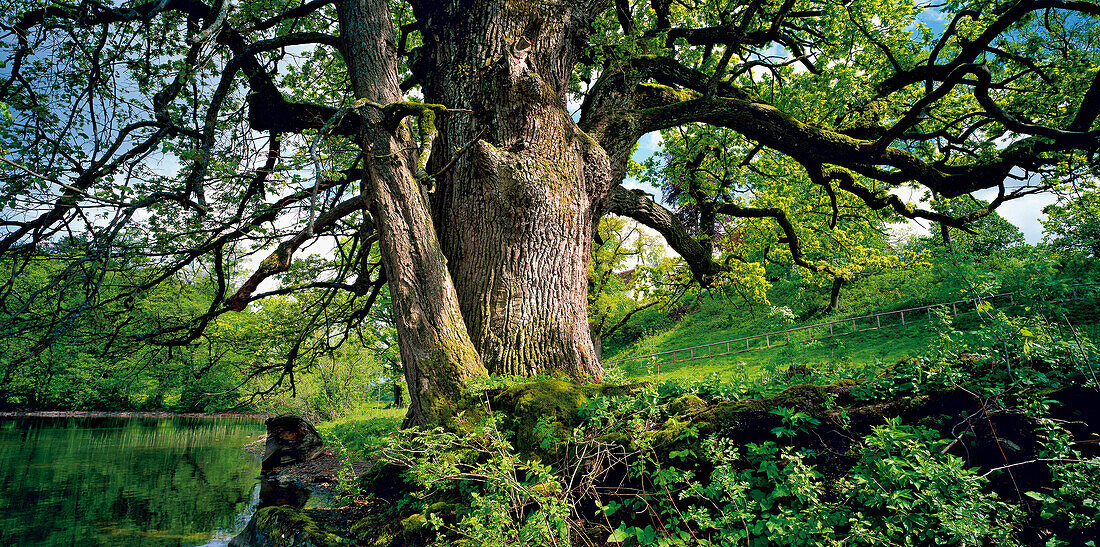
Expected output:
(290, 439)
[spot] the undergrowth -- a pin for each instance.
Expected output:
(986, 439)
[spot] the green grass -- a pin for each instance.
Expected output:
(859, 351)
(363, 430)
(862, 349)
(376, 410)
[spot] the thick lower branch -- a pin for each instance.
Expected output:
(636, 205)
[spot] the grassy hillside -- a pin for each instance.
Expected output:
(713, 319)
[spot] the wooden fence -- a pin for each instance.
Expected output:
(830, 329)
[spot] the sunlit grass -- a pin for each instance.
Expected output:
(363, 430)
(856, 351)
(372, 410)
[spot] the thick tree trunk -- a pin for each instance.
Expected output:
(834, 294)
(398, 397)
(516, 189)
(436, 351)
(515, 211)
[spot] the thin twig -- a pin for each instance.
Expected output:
(1039, 460)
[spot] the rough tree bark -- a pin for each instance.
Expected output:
(517, 208)
(516, 191)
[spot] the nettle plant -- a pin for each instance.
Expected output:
(473, 485)
(901, 490)
(1072, 501)
(635, 470)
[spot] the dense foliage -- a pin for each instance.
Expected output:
(100, 357)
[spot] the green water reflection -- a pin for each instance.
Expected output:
(125, 481)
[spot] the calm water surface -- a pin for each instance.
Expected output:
(125, 481)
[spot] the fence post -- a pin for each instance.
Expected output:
(768, 340)
(746, 344)
(830, 329)
(902, 317)
(878, 321)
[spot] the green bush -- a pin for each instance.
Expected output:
(904, 490)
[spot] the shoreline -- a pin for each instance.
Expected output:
(132, 414)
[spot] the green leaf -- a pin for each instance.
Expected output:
(681, 454)
(1040, 497)
(617, 536)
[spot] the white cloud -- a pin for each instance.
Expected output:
(1026, 212)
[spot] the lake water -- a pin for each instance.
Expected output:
(126, 481)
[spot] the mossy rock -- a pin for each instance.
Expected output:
(388, 530)
(414, 523)
(392, 527)
(748, 421)
(671, 431)
(753, 418)
(285, 526)
(392, 522)
(373, 533)
(687, 405)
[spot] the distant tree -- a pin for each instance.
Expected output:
(442, 133)
(1073, 224)
(60, 350)
(981, 238)
(628, 273)
(747, 207)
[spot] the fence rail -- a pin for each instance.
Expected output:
(817, 331)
